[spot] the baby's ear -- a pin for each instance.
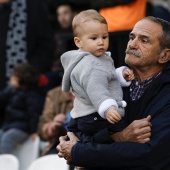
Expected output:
(77, 42)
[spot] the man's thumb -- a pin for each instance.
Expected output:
(148, 118)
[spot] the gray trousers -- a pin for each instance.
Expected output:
(10, 138)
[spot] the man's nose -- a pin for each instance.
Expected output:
(133, 43)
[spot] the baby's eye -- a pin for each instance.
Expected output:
(94, 38)
(105, 37)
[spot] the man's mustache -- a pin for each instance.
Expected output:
(133, 51)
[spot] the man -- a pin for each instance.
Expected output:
(26, 36)
(65, 13)
(148, 54)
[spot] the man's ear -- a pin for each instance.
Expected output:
(77, 42)
(164, 56)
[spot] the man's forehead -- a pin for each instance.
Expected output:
(147, 27)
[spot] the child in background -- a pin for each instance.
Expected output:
(22, 105)
(90, 73)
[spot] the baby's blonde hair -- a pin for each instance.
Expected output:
(84, 16)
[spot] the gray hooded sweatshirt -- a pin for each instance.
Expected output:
(94, 82)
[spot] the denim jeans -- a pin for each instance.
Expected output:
(10, 138)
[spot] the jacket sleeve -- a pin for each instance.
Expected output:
(34, 105)
(5, 94)
(121, 79)
(152, 155)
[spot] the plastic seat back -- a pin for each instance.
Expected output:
(49, 162)
(9, 162)
(27, 152)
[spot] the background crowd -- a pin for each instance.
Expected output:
(38, 32)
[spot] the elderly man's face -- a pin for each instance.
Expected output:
(143, 49)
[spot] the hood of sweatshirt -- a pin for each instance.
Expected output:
(69, 60)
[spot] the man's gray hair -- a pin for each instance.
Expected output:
(165, 38)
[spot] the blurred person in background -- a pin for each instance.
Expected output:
(26, 36)
(81, 5)
(63, 38)
(65, 12)
(54, 118)
(22, 105)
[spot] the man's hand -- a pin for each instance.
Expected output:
(65, 146)
(138, 131)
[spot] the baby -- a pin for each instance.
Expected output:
(90, 73)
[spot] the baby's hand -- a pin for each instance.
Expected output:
(128, 74)
(113, 116)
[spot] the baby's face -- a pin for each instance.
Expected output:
(94, 38)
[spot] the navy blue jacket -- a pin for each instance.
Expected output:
(153, 155)
(22, 109)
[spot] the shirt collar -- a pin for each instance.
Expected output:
(137, 88)
(147, 81)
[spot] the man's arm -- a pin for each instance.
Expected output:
(138, 131)
(135, 132)
(153, 154)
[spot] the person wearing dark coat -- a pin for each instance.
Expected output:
(144, 143)
(26, 36)
(22, 104)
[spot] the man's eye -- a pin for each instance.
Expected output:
(131, 37)
(144, 41)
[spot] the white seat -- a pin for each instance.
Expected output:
(49, 162)
(9, 162)
(27, 152)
